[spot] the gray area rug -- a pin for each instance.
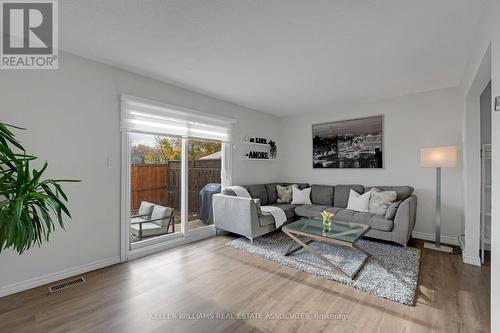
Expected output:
(391, 272)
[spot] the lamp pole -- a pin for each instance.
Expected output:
(438, 157)
(438, 207)
(437, 244)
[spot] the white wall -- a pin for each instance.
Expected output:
(476, 76)
(73, 119)
(410, 123)
(495, 219)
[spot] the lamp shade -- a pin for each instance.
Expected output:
(438, 157)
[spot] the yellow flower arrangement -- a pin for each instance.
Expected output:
(327, 216)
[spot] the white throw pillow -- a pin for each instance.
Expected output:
(301, 197)
(358, 202)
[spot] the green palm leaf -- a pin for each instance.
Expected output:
(29, 205)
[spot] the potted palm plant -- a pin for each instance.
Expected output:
(30, 206)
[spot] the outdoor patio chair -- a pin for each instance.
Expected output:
(144, 211)
(154, 224)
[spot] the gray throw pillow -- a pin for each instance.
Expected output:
(285, 193)
(380, 201)
(146, 209)
(392, 210)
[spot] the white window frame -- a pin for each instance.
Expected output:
(164, 242)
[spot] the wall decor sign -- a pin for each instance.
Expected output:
(273, 152)
(258, 140)
(356, 143)
(259, 148)
(260, 155)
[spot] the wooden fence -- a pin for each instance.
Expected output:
(161, 183)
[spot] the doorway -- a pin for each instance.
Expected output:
(173, 160)
(485, 118)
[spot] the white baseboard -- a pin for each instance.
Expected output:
(432, 237)
(447, 240)
(476, 261)
(49, 278)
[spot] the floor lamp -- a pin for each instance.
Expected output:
(438, 157)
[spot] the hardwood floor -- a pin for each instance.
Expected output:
(208, 277)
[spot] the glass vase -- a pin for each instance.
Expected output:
(327, 225)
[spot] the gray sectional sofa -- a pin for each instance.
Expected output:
(242, 216)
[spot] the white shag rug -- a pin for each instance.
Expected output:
(391, 272)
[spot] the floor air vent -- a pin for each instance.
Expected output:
(66, 284)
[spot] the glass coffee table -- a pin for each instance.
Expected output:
(342, 234)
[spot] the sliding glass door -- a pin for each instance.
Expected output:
(155, 187)
(173, 160)
(156, 169)
(204, 179)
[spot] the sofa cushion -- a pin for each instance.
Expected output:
(272, 195)
(266, 219)
(161, 215)
(258, 192)
(402, 192)
(301, 185)
(136, 220)
(148, 229)
(145, 209)
(287, 208)
(333, 210)
(392, 210)
(363, 218)
(379, 222)
(322, 195)
(342, 194)
(344, 215)
(310, 210)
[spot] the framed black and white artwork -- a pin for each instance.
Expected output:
(356, 143)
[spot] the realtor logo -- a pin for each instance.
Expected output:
(29, 34)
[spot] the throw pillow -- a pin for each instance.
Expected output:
(284, 193)
(301, 197)
(161, 215)
(145, 209)
(380, 201)
(358, 202)
(392, 210)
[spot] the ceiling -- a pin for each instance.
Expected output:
(280, 56)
